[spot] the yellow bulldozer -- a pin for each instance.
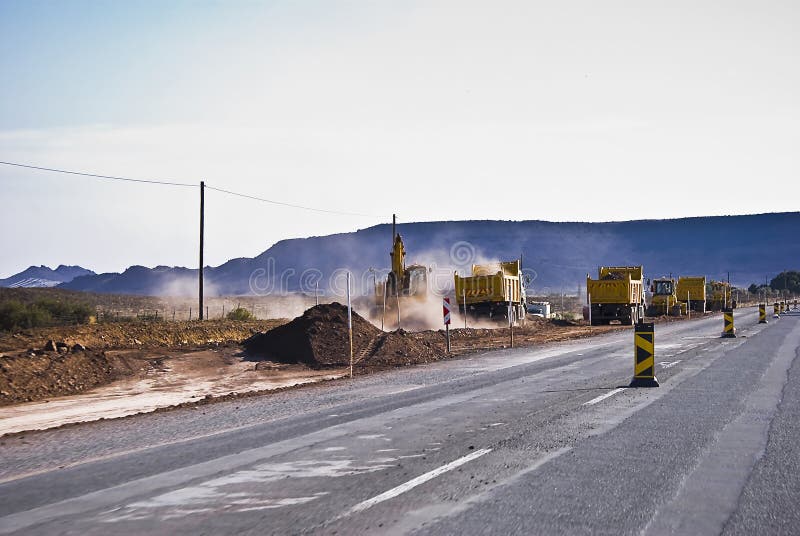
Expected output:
(718, 296)
(664, 300)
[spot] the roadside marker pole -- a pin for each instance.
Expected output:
(728, 331)
(589, 298)
(762, 313)
(644, 365)
(316, 294)
(383, 318)
(446, 314)
(464, 291)
(512, 328)
(775, 310)
(688, 306)
(350, 323)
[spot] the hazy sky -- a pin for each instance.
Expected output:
(433, 110)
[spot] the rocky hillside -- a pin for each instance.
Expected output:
(557, 255)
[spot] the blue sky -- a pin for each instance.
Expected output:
(433, 110)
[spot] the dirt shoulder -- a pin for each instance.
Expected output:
(49, 362)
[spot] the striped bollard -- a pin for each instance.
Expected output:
(644, 366)
(776, 310)
(762, 313)
(728, 331)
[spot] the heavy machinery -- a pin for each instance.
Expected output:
(664, 300)
(402, 281)
(616, 295)
(692, 292)
(718, 296)
(492, 290)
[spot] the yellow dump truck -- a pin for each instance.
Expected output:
(491, 290)
(718, 296)
(664, 300)
(692, 292)
(616, 294)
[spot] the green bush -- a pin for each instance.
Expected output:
(15, 315)
(240, 313)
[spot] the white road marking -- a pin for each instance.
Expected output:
(603, 397)
(667, 364)
(402, 488)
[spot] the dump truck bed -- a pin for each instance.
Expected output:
(694, 286)
(497, 282)
(623, 291)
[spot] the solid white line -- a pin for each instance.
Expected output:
(603, 397)
(667, 364)
(402, 488)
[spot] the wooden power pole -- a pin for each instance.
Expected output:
(202, 239)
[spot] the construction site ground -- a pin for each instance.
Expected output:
(131, 368)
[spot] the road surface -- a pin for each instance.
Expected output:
(522, 441)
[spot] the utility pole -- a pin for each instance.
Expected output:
(202, 238)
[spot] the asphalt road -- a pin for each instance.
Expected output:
(523, 441)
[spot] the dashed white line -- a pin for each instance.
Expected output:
(402, 488)
(603, 397)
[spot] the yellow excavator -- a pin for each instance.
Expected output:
(403, 281)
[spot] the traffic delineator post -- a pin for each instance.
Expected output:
(775, 310)
(762, 313)
(728, 329)
(644, 365)
(446, 316)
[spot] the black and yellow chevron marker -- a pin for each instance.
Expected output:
(728, 330)
(644, 363)
(762, 313)
(776, 310)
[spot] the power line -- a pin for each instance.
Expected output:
(281, 203)
(109, 177)
(173, 183)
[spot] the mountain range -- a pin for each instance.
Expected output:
(43, 276)
(556, 255)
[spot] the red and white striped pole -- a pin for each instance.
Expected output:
(446, 315)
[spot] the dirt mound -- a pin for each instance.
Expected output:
(402, 348)
(318, 338)
(38, 374)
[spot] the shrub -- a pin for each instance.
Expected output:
(15, 315)
(240, 313)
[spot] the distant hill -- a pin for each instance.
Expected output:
(43, 276)
(557, 255)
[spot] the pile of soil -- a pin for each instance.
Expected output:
(37, 374)
(155, 334)
(318, 338)
(400, 348)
